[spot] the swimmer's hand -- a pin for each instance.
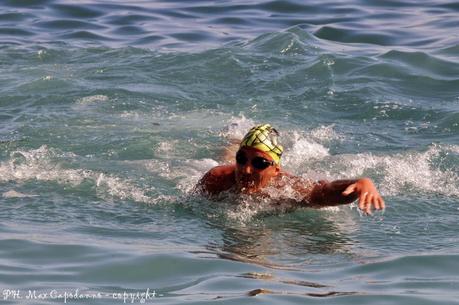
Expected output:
(367, 194)
(339, 192)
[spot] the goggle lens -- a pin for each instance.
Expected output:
(257, 162)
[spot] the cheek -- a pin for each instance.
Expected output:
(263, 176)
(270, 173)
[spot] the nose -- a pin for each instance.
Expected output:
(247, 169)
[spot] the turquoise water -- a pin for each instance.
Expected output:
(110, 113)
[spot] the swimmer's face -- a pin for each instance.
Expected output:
(254, 169)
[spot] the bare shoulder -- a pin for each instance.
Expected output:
(218, 179)
(222, 170)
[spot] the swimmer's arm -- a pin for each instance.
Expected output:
(216, 180)
(339, 192)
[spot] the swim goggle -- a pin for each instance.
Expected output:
(259, 163)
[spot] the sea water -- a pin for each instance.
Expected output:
(110, 113)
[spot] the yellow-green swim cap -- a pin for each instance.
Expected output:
(264, 138)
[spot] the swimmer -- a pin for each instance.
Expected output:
(257, 167)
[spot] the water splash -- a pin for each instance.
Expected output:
(303, 150)
(44, 164)
(412, 170)
(426, 171)
(236, 128)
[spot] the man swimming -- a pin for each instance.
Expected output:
(257, 168)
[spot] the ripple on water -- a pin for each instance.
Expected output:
(63, 24)
(14, 17)
(130, 19)
(339, 23)
(7, 31)
(129, 30)
(425, 63)
(76, 11)
(86, 35)
(27, 3)
(347, 35)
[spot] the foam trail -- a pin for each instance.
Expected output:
(397, 173)
(38, 165)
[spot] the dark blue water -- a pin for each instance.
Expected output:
(111, 112)
(198, 25)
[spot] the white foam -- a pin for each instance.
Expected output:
(35, 164)
(187, 173)
(192, 171)
(325, 134)
(399, 172)
(132, 115)
(244, 208)
(159, 167)
(417, 170)
(244, 211)
(237, 127)
(41, 53)
(166, 147)
(92, 99)
(303, 150)
(42, 164)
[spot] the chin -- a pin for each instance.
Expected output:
(247, 187)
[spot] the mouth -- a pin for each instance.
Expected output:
(246, 183)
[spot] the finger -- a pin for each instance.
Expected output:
(349, 190)
(376, 203)
(381, 203)
(368, 203)
(368, 209)
(362, 201)
(370, 198)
